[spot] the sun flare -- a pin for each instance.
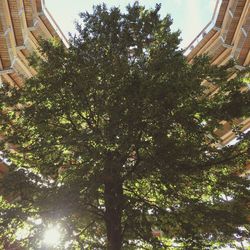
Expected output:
(52, 236)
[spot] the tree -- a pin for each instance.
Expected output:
(115, 141)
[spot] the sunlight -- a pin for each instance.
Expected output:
(22, 233)
(52, 236)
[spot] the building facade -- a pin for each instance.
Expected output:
(227, 36)
(22, 24)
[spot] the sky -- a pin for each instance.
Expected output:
(189, 16)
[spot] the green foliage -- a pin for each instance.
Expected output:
(117, 129)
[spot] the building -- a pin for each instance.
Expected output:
(225, 37)
(22, 24)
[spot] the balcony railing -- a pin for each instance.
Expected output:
(54, 24)
(205, 30)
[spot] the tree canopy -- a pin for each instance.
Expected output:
(114, 141)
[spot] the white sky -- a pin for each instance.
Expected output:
(190, 16)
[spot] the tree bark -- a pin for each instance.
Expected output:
(113, 195)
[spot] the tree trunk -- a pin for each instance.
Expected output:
(113, 195)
